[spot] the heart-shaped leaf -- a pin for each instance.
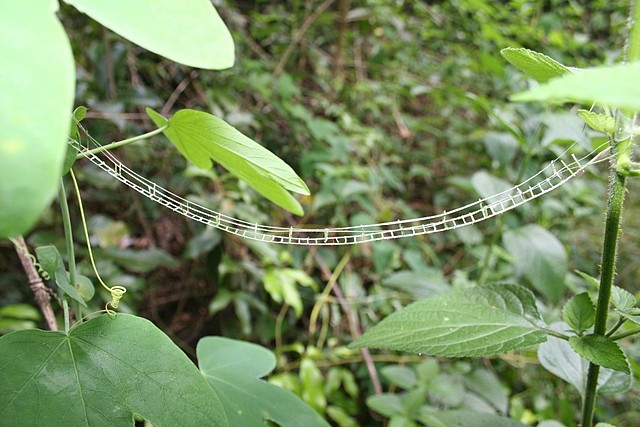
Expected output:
(34, 110)
(201, 137)
(471, 322)
(102, 373)
(233, 369)
(187, 31)
(579, 312)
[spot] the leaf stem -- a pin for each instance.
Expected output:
(615, 327)
(68, 239)
(122, 143)
(622, 335)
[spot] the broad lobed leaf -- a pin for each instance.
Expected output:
(102, 373)
(471, 322)
(234, 369)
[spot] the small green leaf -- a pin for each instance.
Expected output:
(85, 287)
(201, 137)
(20, 311)
(615, 86)
(48, 257)
(471, 322)
(579, 313)
(34, 108)
(536, 65)
(602, 351)
(234, 368)
(400, 376)
(540, 257)
(386, 404)
(487, 185)
(599, 122)
(282, 285)
(102, 373)
(590, 279)
(622, 299)
(187, 31)
(557, 357)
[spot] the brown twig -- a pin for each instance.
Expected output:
(309, 20)
(354, 326)
(342, 29)
(41, 294)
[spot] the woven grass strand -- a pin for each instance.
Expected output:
(559, 171)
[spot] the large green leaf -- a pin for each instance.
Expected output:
(470, 322)
(602, 351)
(37, 80)
(557, 357)
(186, 31)
(201, 137)
(233, 369)
(103, 372)
(536, 65)
(540, 257)
(613, 86)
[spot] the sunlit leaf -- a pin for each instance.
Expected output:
(202, 137)
(234, 368)
(187, 31)
(34, 109)
(600, 122)
(536, 65)
(612, 86)
(102, 373)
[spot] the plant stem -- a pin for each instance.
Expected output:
(68, 238)
(123, 142)
(625, 334)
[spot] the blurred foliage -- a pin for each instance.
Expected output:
(388, 110)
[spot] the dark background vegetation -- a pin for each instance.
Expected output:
(386, 109)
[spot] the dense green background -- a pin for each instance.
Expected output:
(388, 110)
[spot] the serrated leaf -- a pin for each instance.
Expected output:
(579, 312)
(536, 65)
(599, 122)
(102, 373)
(202, 137)
(557, 357)
(471, 322)
(615, 86)
(622, 299)
(188, 31)
(234, 368)
(34, 110)
(602, 351)
(540, 257)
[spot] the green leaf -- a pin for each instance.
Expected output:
(400, 376)
(487, 185)
(20, 311)
(622, 299)
(599, 122)
(423, 284)
(282, 285)
(536, 65)
(201, 137)
(187, 31)
(579, 313)
(557, 357)
(140, 261)
(34, 108)
(386, 404)
(613, 86)
(466, 418)
(51, 262)
(234, 368)
(470, 322)
(103, 372)
(540, 257)
(602, 351)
